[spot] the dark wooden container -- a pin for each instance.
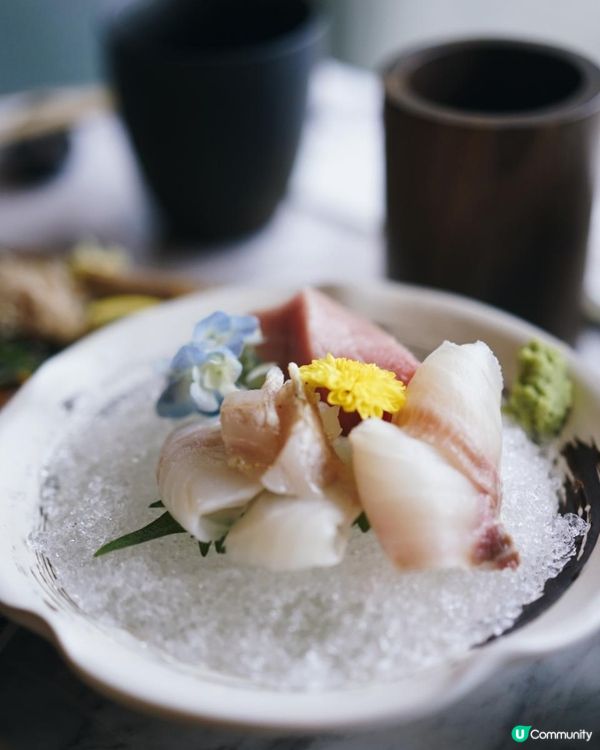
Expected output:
(489, 165)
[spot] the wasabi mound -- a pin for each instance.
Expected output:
(542, 395)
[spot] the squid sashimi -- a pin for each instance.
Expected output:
(198, 486)
(429, 483)
(453, 402)
(312, 325)
(293, 533)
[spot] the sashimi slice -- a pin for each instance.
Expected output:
(197, 485)
(302, 518)
(425, 513)
(251, 425)
(311, 325)
(277, 437)
(293, 533)
(306, 462)
(453, 402)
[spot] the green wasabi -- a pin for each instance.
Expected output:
(542, 395)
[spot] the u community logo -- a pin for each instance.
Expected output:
(522, 732)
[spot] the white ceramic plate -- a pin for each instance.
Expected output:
(32, 423)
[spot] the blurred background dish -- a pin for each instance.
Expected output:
(48, 302)
(337, 182)
(214, 96)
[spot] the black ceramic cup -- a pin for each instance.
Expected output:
(213, 93)
(489, 167)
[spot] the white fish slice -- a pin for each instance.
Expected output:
(429, 483)
(251, 425)
(303, 518)
(425, 513)
(453, 402)
(277, 435)
(306, 461)
(282, 533)
(197, 486)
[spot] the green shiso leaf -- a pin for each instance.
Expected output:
(363, 523)
(254, 370)
(220, 546)
(162, 526)
(249, 360)
(20, 358)
(204, 548)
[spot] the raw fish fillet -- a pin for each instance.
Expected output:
(293, 533)
(429, 483)
(312, 325)
(197, 485)
(251, 425)
(304, 516)
(306, 462)
(453, 402)
(276, 435)
(425, 513)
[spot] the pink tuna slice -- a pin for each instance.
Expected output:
(311, 325)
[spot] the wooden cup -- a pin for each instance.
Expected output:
(489, 165)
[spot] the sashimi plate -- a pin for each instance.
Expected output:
(114, 366)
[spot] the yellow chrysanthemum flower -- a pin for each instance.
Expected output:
(356, 386)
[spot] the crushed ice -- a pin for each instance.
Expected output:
(357, 623)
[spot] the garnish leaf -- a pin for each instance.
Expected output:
(204, 548)
(161, 526)
(220, 546)
(254, 370)
(20, 358)
(363, 523)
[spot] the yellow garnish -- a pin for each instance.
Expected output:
(103, 311)
(89, 258)
(356, 386)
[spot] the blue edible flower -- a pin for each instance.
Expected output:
(230, 331)
(204, 371)
(199, 380)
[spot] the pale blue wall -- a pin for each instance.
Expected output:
(55, 41)
(48, 42)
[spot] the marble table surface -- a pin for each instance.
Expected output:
(329, 228)
(43, 706)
